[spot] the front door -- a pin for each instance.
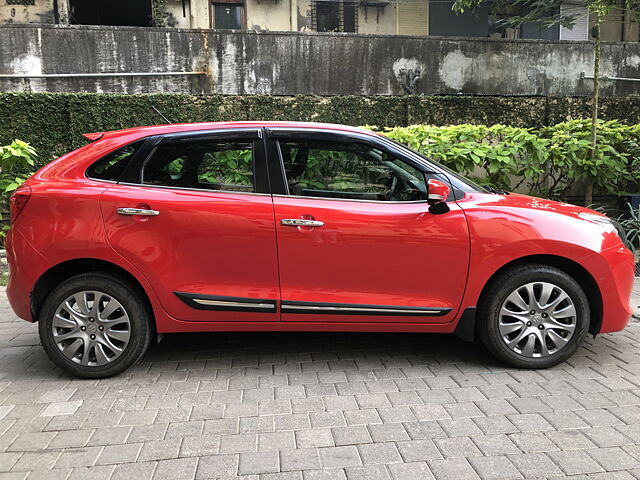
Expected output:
(199, 226)
(356, 240)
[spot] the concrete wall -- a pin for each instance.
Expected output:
(298, 63)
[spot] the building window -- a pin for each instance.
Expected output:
(111, 12)
(334, 15)
(228, 16)
(580, 29)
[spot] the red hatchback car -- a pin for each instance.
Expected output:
(297, 226)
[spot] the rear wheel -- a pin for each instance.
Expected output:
(95, 325)
(534, 316)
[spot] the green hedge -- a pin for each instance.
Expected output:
(53, 123)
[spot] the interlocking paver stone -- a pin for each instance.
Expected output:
(414, 470)
(575, 462)
(258, 462)
(494, 468)
(377, 453)
(368, 472)
(452, 469)
(216, 466)
(300, 459)
(534, 465)
(176, 469)
(321, 406)
(339, 457)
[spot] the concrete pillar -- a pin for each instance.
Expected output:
(293, 11)
(62, 15)
(200, 14)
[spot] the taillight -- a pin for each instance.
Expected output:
(18, 201)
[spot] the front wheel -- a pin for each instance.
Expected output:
(533, 316)
(94, 325)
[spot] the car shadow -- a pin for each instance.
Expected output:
(252, 349)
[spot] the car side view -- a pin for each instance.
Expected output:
(274, 226)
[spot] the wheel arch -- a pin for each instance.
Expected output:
(70, 268)
(571, 268)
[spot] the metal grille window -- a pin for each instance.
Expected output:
(228, 16)
(334, 15)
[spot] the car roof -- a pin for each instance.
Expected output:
(195, 127)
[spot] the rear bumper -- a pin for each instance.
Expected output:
(613, 271)
(23, 273)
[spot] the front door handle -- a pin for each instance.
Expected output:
(301, 222)
(137, 211)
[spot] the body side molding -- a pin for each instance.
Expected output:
(358, 309)
(232, 304)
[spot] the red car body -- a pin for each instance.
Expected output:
(214, 243)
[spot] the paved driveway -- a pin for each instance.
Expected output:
(320, 407)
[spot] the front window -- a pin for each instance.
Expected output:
(355, 171)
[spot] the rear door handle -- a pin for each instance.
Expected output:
(301, 222)
(137, 211)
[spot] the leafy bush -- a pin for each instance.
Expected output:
(569, 157)
(545, 162)
(492, 155)
(17, 162)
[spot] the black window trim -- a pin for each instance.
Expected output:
(275, 134)
(261, 184)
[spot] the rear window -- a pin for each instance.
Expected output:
(111, 166)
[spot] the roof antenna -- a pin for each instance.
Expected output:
(160, 113)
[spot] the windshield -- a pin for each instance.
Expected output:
(459, 182)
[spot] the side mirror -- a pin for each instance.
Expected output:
(437, 192)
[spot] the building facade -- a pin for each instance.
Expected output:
(395, 17)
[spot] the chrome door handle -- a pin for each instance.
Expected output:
(137, 211)
(301, 222)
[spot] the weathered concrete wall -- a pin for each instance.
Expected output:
(296, 63)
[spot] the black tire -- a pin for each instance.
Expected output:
(496, 294)
(127, 295)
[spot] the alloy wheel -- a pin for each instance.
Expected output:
(537, 319)
(91, 328)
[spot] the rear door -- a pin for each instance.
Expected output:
(356, 239)
(196, 218)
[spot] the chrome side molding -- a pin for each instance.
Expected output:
(243, 304)
(355, 309)
(229, 304)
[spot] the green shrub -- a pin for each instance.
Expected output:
(491, 155)
(545, 162)
(569, 157)
(17, 162)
